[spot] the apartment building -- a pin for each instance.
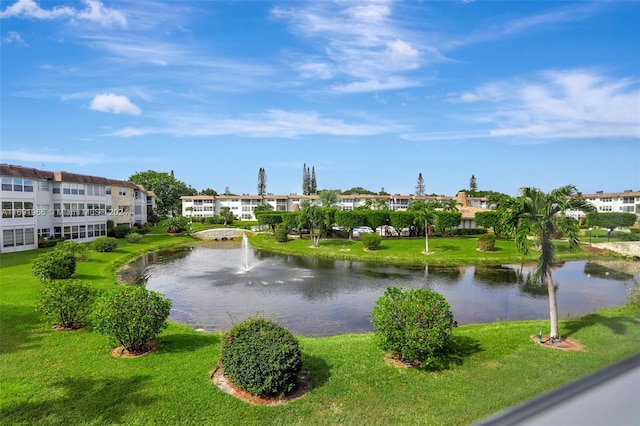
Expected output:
(38, 203)
(242, 206)
(606, 202)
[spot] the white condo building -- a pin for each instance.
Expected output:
(38, 203)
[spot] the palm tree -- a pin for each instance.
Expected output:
(424, 214)
(543, 215)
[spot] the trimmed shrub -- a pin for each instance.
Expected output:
(79, 250)
(414, 325)
(371, 240)
(133, 316)
(48, 242)
(487, 242)
(282, 234)
(628, 236)
(261, 357)
(121, 231)
(66, 302)
(54, 265)
(133, 237)
(105, 244)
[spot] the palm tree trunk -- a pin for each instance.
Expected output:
(553, 307)
(426, 237)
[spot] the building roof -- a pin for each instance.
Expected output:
(627, 193)
(24, 172)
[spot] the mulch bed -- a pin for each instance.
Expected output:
(562, 343)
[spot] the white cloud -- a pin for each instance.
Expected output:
(552, 105)
(360, 41)
(14, 37)
(94, 11)
(116, 104)
(40, 157)
(271, 123)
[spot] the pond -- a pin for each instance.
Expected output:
(212, 284)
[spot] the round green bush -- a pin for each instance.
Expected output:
(105, 244)
(133, 237)
(121, 231)
(133, 316)
(54, 265)
(487, 242)
(261, 357)
(371, 240)
(282, 234)
(414, 325)
(66, 302)
(79, 250)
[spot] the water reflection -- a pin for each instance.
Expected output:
(317, 297)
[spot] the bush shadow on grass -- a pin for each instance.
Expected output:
(175, 343)
(459, 348)
(84, 401)
(319, 370)
(617, 325)
(18, 328)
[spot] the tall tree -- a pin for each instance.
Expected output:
(315, 218)
(473, 185)
(209, 191)
(167, 188)
(262, 182)
(313, 185)
(424, 216)
(306, 180)
(611, 220)
(420, 186)
(542, 215)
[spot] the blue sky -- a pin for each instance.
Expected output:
(516, 93)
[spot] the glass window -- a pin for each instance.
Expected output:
(28, 209)
(7, 238)
(43, 185)
(56, 187)
(122, 191)
(28, 185)
(18, 207)
(83, 231)
(7, 209)
(19, 237)
(44, 232)
(57, 232)
(57, 210)
(7, 184)
(74, 188)
(17, 184)
(66, 189)
(29, 236)
(107, 190)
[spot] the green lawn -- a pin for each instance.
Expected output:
(52, 377)
(408, 251)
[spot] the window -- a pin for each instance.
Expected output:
(7, 184)
(43, 185)
(7, 238)
(28, 185)
(66, 189)
(628, 200)
(17, 184)
(29, 236)
(28, 209)
(19, 233)
(7, 209)
(44, 232)
(18, 209)
(56, 187)
(107, 190)
(57, 210)
(42, 210)
(122, 191)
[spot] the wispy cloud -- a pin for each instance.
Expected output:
(554, 104)
(94, 11)
(117, 104)
(271, 123)
(358, 41)
(14, 37)
(40, 157)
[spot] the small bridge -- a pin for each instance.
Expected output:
(222, 233)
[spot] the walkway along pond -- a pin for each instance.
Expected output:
(211, 284)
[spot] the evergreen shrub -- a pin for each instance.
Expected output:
(133, 237)
(66, 302)
(133, 316)
(105, 244)
(54, 265)
(121, 231)
(487, 242)
(261, 357)
(414, 325)
(79, 250)
(282, 234)
(371, 240)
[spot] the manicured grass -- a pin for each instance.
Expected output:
(53, 377)
(408, 251)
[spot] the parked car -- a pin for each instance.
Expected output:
(362, 229)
